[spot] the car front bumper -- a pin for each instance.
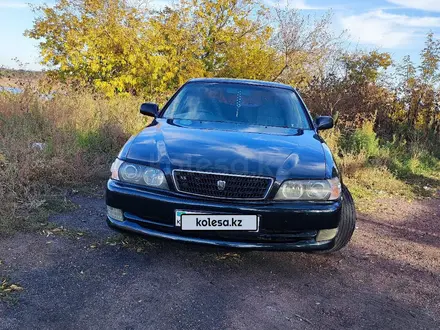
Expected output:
(283, 225)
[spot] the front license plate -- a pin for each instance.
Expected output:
(219, 222)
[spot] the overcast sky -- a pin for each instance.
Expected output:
(395, 26)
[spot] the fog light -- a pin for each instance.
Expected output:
(115, 214)
(326, 234)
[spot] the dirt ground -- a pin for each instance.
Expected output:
(93, 278)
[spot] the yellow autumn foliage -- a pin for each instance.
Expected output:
(116, 47)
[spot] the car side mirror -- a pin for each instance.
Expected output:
(150, 109)
(323, 122)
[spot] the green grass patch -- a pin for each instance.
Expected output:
(374, 169)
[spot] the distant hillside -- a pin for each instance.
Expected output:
(14, 78)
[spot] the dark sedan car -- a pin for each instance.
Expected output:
(235, 163)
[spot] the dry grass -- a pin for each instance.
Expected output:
(80, 135)
(7, 290)
(373, 171)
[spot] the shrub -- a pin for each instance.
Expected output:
(362, 140)
(332, 138)
(373, 169)
(82, 134)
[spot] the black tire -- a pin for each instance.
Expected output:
(347, 224)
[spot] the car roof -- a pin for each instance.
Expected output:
(241, 81)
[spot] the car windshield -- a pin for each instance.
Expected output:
(239, 103)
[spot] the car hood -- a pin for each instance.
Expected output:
(229, 148)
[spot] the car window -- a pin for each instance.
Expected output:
(234, 102)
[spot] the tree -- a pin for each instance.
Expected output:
(351, 91)
(304, 45)
(94, 42)
(176, 50)
(426, 111)
(365, 67)
(214, 38)
(430, 58)
(417, 89)
(116, 47)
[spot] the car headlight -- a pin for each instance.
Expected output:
(138, 174)
(311, 190)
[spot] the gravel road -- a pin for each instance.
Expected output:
(88, 276)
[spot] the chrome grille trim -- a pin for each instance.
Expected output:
(269, 188)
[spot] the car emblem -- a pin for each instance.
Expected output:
(221, 185)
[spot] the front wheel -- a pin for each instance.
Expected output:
(347, 224)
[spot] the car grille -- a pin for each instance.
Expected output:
(225, 186)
